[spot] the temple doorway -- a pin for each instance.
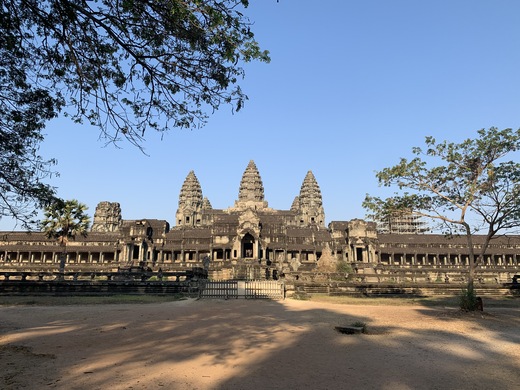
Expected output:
(247, 246)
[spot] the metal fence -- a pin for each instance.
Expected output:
(249, 289)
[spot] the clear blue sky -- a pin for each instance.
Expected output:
(352, 86)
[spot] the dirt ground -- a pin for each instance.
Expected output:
(244, 344)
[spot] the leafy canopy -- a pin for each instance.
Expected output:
(64, 220)
(129, 65)
(469, 184)
(124, 66)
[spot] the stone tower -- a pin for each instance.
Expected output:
(295, 204)
(310, 203)
(191, 202)
(251, 192)
(206, 205)
(107, 217)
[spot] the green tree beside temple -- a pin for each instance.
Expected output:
(468, 187)
(64, 220)
(123, 66)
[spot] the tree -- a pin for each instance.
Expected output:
(64, 220)
(124, 66)
(467, 187)
(22, 171)
(24, 110)
(129, 65)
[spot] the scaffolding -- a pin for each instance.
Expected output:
(403, 224)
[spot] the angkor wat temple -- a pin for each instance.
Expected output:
(252, 240)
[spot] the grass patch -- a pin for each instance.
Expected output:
(301, 296)
(44, 300)
(436, 301)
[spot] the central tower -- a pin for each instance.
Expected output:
(251, 192)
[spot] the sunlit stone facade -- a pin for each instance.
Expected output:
(248, 233)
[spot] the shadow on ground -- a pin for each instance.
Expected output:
(239, 344)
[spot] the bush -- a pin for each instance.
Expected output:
(468, 300)
(343, 267)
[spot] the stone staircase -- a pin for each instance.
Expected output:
(248, 271)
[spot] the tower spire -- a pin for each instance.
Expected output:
(251, 191)
(311, 203)
(191, 202)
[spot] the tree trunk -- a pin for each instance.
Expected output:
(63, 259)
(469, 301)
(471, 273)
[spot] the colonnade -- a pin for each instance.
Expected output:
(445, 259)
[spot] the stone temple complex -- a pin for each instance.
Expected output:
(251, 240)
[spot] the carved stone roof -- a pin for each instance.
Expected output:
(206, 205)
(299, 232)
(310, 193)
(276, 215)
(295, 204)
(226, 218)
(339, 225)
(107, 217)
(322, 235)
(251, 186)
(191, 192)
(180, 233)
(398, 239)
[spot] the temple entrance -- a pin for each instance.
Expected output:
(248, 246)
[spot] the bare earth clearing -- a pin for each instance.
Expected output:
(239, 344)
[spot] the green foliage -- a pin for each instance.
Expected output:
(127, 66)
(445, 178)
(65, 220)
(467, 186)
(343, 267)
(25, 107)
(468, 299)
(123, 66)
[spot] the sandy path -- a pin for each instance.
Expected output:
(238, 344)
